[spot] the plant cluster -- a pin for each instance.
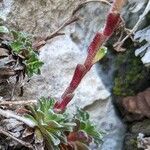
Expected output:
(58, 131)
(19, 51)
(130, 79)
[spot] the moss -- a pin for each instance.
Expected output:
(141, 127)
(130, 142)
(133, 143)
(134, 129)
(130, 74)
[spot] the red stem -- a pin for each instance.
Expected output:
(112, 22)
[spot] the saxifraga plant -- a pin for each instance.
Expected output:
(85, 131)
(59, 131)
(49, 119)
(21, 45)
(50, 126)
(19, 58)
(20, 48)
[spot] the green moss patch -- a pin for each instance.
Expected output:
(131, 75)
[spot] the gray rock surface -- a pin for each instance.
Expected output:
(135, 9)
(132, 11)
(60, 58)
(37, 16)
(5, 7)
(144, 51)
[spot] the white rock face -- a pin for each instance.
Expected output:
(146, 58)
(5, 7)
(60, 58)
(38, 16)
(144, 51)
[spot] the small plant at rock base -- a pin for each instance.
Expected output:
(58, 131)
(50, 127)
(20, 47)
(85, 132)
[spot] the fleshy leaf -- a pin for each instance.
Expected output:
(54, 139)
(111, 24)
(31, 119)
(38, 136)
(93, 48)
(54, 124)
(62, 105)
(100, 54)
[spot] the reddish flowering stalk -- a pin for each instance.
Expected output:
(92, 50)
(78, 75)
(62, 105)
(112, 22)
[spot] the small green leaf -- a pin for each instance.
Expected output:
(71, 124)
(83, 115)
(33, 111)
(100, 54)
(40, 114)
(16, 46)
(38, 136)
(63, 138)
(54, 124)
(82, 124)
(86, 126)
(15, 34)
(32, 119)
(54, 139)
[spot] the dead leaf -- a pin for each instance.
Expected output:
(27, 132)
(7, 72)
(3, 52)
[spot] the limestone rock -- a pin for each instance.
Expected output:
(143, 142)
(132, 11)
(144, 51)
(38, 16)
(60, 58)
